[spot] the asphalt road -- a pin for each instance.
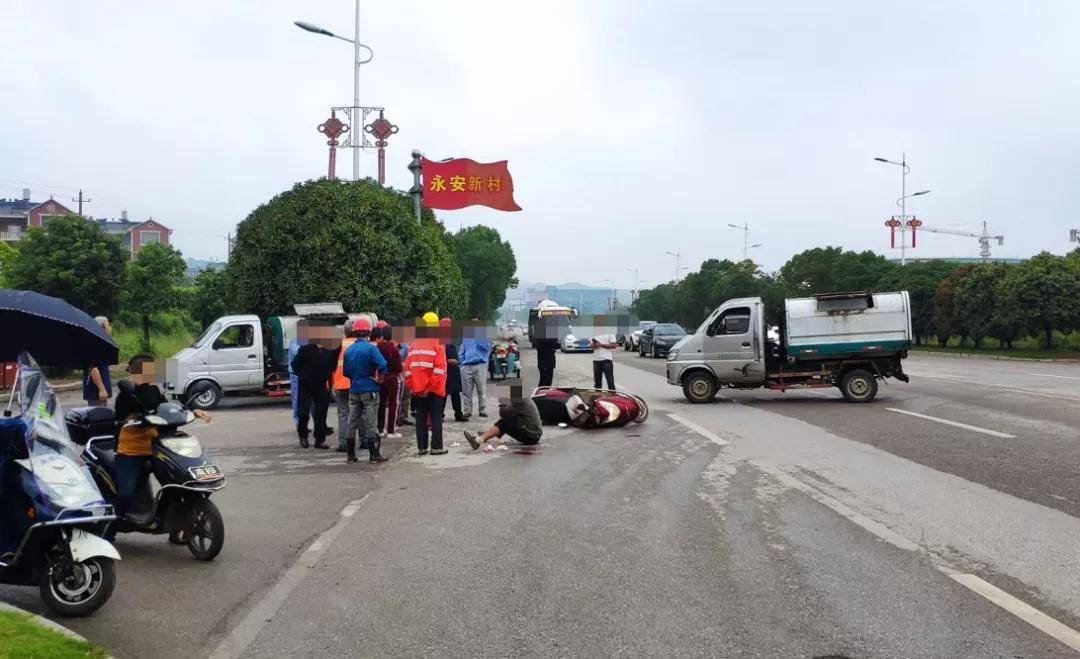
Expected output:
(763, 525)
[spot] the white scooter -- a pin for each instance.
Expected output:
(51, 511)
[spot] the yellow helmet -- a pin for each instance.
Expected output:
(431, 319)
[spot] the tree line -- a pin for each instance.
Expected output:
(969, 302)
(357, 243)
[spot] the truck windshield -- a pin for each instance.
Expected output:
(206, 334)
(669, 330)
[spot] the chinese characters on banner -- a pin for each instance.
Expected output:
(464, 182)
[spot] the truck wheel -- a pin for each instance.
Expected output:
(699, 387)
(204, 395)
(858, 386)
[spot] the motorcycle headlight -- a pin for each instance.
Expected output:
(189, 447)
(156, 420)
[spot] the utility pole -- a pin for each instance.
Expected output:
(81, 201)
(746, 246)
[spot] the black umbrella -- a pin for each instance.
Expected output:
(53, 331)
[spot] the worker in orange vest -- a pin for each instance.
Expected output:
(425, 376)
(341, 388)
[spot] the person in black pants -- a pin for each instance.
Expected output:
(453, 371)
(545, 360)
(314, 365)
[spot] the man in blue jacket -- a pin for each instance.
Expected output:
(362, 365)
(475, 350)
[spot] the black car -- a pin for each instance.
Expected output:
(659, 338)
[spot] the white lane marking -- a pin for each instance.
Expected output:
(1048, 375)
(1020, 609)
(878, 529)
(716, 439)
(241, 636)
(1028, 392)
(957, 424)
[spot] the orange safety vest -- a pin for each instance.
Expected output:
(340, 381)
(425, 367)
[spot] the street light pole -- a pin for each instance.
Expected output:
(356, 129)
(356, 95)
(677, 268)
(904, 169)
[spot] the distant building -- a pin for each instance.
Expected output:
(18, 215)
(962, 260)
(136, 234)
(586, 299)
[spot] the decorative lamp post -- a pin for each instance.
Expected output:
(381, 129)
(914, 223)
(893, 225)
(333, 128)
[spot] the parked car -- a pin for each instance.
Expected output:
(659, 338)
(633, 338)
(571, 343)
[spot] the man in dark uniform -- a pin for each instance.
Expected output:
(314, 365)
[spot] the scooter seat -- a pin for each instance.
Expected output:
(85, 416)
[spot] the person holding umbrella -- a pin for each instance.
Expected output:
(97, 385)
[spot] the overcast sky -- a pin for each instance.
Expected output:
(632, 129)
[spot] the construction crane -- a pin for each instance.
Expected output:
(984, 238)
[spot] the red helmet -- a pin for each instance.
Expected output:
(445, 322)
(361, 325)
(381, 324)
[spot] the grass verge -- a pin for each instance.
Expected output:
(22, 638)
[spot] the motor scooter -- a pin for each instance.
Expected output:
(180, 505)
(51, 510)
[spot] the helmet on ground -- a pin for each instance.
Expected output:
(431, 319)
(361, 325)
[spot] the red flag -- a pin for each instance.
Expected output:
(464, 182)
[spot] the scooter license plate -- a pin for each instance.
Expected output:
(205, 472)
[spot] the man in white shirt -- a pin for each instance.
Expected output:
(602, 345)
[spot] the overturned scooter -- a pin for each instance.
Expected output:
(50, 508)
(180, 505)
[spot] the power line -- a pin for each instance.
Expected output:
(40, 185)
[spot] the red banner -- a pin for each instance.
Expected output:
(462, 182)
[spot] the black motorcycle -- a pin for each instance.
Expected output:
(180, 505)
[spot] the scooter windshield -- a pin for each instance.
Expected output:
(62, 478)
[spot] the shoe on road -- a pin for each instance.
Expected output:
(439, 451)
(322, 445)
(483, 415)
(351, 459)
(378, 459)
(471, 437)
(422, 451)
(304, 443)
(460, 417)
(393, 435)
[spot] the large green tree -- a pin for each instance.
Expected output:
(74, 259)
(355, 242)
(833, 270)
(948, 321)
(487, 262)
(151, 285)
(978, 302)
(920, 279)
(211, 296)
(1042, 294)
(7, 255)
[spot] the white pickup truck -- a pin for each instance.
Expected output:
(845, 340)
(243, 355)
